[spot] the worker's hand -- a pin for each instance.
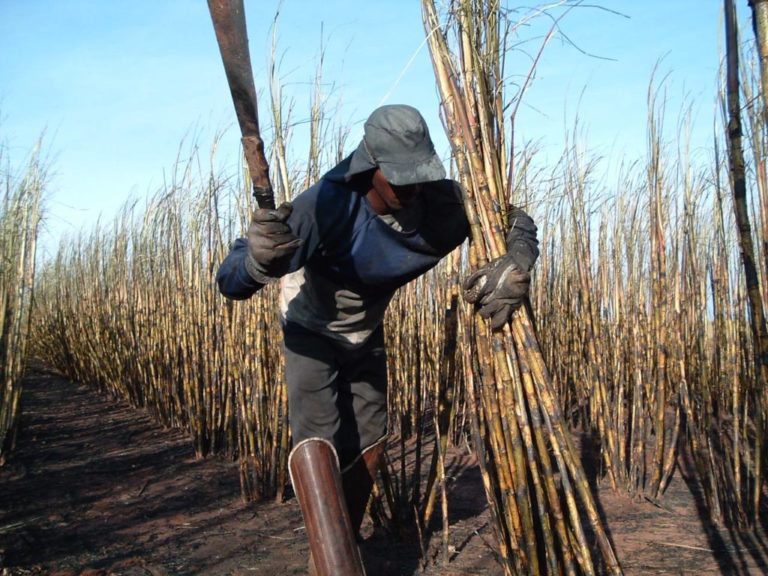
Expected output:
(497, 290)
(271, 243)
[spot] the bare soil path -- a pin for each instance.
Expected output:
(96, 488)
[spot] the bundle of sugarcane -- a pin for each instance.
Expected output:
(536, 503)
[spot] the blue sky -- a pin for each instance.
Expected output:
(117, 86)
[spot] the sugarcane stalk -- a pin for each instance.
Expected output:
(739, 184)
(760, 28)
(525, 339)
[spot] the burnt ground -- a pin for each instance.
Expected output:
(96, 488)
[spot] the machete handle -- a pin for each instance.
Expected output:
(253, 148)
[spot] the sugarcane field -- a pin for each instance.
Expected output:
(439, 287)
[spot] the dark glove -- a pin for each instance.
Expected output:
(271, 243)
(522, 244)
(497, 290)
(500, 287)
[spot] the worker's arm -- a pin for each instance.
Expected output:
(232, 276)
(264, 256)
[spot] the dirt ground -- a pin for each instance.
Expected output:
(96, 488)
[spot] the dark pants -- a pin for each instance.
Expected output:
(336, 393)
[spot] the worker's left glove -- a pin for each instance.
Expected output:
(497, 290)
(501, 286)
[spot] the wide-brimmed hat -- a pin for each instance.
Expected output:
(396, 139)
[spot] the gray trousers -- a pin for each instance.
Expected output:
(336, 393)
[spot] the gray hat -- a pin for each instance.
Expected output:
(396, 139)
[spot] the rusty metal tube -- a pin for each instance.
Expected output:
(314, 468)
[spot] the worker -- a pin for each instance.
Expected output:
(383, 216)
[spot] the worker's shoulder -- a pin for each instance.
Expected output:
(326, 205)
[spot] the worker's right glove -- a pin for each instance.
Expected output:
(271, 243)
